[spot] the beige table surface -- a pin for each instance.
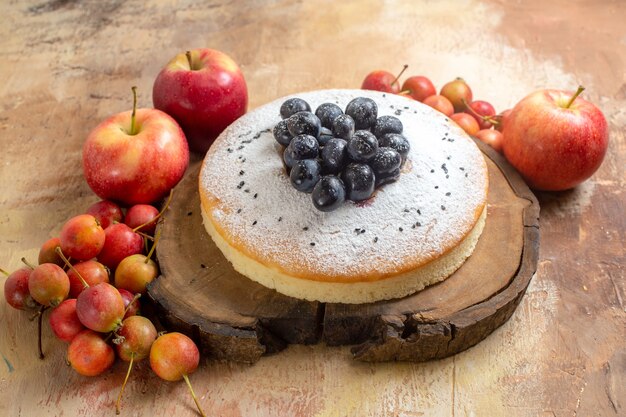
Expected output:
(66, 65)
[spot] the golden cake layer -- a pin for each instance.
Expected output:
(412, 233)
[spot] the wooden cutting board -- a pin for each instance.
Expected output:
(234, 318)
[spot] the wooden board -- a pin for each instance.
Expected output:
(234, 318)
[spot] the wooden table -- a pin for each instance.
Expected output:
(66, 65)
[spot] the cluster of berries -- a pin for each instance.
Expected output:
(339, 156)
(99, 320)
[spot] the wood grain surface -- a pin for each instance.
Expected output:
(68, 64)
(234, 318)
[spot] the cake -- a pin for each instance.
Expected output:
(411, 233)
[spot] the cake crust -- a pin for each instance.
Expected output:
(254, 215)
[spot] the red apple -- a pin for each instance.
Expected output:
(555, 139)
(204, 90)
(135, 157)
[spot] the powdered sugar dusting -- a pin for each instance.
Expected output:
(426, 212)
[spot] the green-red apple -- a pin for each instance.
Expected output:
(204, 90)
(555, 139)
(135, 158)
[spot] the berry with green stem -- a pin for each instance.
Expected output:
(134, 342)
(173, 356)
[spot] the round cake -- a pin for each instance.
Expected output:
(411, 233)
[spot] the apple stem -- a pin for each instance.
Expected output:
(28, 264)
(399, 75)
(40, 319)
(132, 116)
(135, 298)
(119, 397)
(193, 394)
(70, 266)
(578, 92)
(167, 204)
(4, 272)
(188, 55)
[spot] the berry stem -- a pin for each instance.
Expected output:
(489, 119)
(28, 264)
(156, 239)
(167, 204)
(133, 114)
(399, 75)
(193, 394)
(576, 94)
(70, 266)
(145, 235)
(40, 319)
(135, 298)
(4, 272)
(119, 397)
(467, 107)
(189, 60)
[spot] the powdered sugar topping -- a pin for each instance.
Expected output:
(426, 212)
